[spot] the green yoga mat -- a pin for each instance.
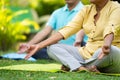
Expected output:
(42, 67)
(34, 67)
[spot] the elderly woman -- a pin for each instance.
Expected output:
(101, 23)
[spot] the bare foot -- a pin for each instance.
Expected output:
(64, 68)
(82, 69)
(93, 68)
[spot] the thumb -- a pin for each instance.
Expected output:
(30, 54)
(101, 55)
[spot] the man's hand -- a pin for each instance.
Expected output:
(79, 38)
(77, 43)
(23, 48)
(32, 50)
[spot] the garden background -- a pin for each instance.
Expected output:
(20, 20)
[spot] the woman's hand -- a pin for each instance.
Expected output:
(32, 50)
(107, 44)
(29, 49)
(105, 51)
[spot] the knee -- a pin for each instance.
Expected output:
(115, 49)
(51, 49)
(97, 52)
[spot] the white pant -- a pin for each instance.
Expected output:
(110, 63)
(70, 57)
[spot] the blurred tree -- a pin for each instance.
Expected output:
(48, 6)
(13, 16)
(85, 2)
(10, 31)
(41, 9)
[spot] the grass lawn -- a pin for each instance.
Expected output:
(40, 75)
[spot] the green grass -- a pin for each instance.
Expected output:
(39, 75)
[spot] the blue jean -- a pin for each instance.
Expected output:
(41, 54)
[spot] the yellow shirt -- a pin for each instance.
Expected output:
(108, 22)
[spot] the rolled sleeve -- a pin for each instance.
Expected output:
(108, 30)
(63, 33)
(67, 31)
(113, 24)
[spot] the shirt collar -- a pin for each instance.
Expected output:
(77, 8)
(107, 5)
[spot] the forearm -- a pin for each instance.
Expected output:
(41, 35)
(106, 46)
(108, 39)
(51, 40)
(80, 35)
(37, 38)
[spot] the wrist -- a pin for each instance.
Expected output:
(107, 45)
(78, 41)
(30, 43)
(106, 49)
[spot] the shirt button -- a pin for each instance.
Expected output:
(93, 31)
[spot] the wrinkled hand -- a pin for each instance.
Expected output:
(105, 51)
(23, 48)
(29, 49)
(32, 50)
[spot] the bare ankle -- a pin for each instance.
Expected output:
(93, 68)
(82, 68)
